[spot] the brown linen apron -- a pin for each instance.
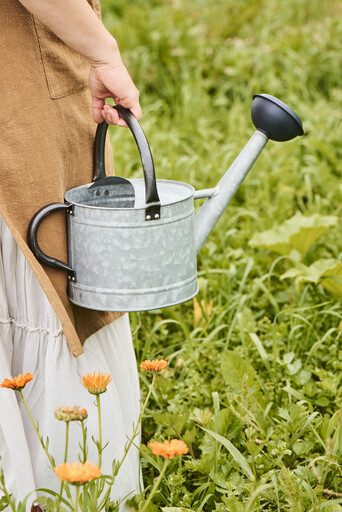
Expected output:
(46, 148)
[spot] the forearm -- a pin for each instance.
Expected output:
(75, 23)
(78, 26)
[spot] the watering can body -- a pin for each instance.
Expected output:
(132, 245)
(124, 263)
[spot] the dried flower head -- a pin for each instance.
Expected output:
(77, 474)
(169, 450)
(18, 382)
(154, 366)
(96, 383)
(70, 413)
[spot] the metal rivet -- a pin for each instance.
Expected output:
(156, 216)
(73, 278)
(148, 217)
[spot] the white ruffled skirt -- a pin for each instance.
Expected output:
(31, 340)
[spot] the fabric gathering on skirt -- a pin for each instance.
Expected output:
(31, 340)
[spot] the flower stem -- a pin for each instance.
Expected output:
(77, 494)
(148, 394)
(156, 485)
(98, 403)
(66, 441)
(36, 429)
(84, 447)
(136, 427)
(65, 459)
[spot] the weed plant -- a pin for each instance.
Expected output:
(255, 361)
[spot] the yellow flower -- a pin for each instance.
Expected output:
(154, 366)
(96, 383)
(169, 450)
(18, 382)
(70, 413)
(77, 474)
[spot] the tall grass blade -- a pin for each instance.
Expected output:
(235, 453)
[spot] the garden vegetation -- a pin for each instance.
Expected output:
(243, 412)
(253, 385)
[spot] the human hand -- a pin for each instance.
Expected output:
(112, 80)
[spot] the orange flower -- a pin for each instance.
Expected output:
(96, 383)
(77, 474)
(154, 366)
(169, 450)
(18, 382)
(71, 413)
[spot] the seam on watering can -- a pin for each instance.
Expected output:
(18, 325)
(135, 291)
(144, 308)
(160, 222)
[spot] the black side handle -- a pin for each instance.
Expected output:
(151, 192)
(32, 237)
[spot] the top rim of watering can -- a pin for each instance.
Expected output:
(283, 106)
(171, 192)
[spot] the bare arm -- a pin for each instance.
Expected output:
(77, 25)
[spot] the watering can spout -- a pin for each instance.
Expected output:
(274, 120)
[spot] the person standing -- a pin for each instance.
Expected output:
(59, 64)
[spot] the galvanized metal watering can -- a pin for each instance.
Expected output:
(132, 245)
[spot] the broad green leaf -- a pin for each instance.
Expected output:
(219, 479)
(332, 506)
(235, 453)
(234, 505)
(246, 320)
(295, 367)
(327, 272)
(289, 357)
(227, 420)
(295, 236)
(256, 493)
(175, 420)
(234, 368)
(202, 465)
(46, 503)
(202, 416)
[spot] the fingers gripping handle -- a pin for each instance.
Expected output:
(32, 237)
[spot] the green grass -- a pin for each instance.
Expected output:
(263, 368)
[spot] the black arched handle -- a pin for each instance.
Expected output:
(32, 237)
(152, 198)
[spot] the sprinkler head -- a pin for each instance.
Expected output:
(274, 118)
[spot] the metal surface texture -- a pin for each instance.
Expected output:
(213, 208)
(122, 262)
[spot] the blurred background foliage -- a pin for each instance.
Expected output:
(197, 64)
